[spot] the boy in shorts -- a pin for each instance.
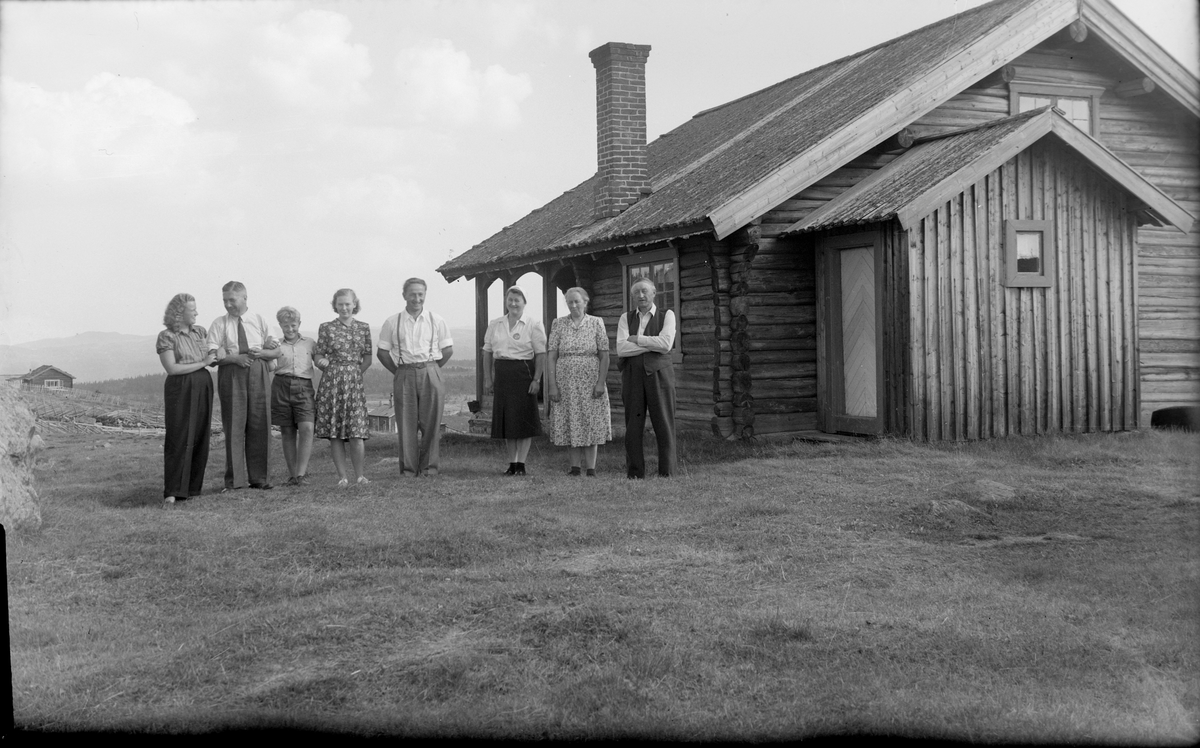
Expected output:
(293, 402)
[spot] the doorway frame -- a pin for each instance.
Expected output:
(831, 405)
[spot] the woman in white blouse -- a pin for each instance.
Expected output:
(514, 357)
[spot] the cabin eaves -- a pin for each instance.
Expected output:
(729, 165)
(932, 172)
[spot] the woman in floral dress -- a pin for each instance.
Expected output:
(576, 383)
(343, 353)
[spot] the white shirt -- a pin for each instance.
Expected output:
(222, 333)
(635, 345)
(526, 338)
(411, 341)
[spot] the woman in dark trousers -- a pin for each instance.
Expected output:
(188, 399)
(514, 356)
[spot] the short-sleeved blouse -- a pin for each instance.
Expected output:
(190, 346)
(342, 344)
(522, 341)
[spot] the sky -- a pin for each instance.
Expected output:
(152, 148)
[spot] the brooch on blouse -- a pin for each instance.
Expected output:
(516, 336)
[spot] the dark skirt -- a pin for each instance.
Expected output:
(188, 400)
(514, 411)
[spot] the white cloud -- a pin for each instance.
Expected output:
(510, 22)
(377, 201)
(439, 84)
(114, 127)
(308, 61)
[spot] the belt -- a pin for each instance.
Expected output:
(418, 365)
(592, 354)
(291, 376)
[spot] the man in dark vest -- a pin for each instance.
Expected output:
(647, 379)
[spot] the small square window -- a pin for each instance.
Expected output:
(1028, 254)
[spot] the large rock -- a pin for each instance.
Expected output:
(19, 445)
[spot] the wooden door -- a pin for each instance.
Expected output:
(850, 321)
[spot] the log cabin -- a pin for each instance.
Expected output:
(981, 228)
(46, 376)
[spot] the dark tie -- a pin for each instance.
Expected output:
(243, 346)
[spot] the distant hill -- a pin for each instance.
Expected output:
(100, 356)
(88, 356)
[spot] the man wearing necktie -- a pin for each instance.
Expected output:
(244, 387)
(647, 379)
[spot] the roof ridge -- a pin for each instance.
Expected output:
(752, 128)
(887, 42)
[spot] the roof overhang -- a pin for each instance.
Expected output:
(559, 255)
(1048, 122)
(1026, 29)
(1112, 27)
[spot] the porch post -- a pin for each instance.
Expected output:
(482, 282)
(549, 299)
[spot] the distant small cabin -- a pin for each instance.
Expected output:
(47, 376)
(382, 419)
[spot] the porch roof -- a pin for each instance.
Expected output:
(914, 185)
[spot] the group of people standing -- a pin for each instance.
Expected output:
(574, 361)
(414, 344)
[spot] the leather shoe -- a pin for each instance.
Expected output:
(262, 486)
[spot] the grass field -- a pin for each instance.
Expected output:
(767, 592)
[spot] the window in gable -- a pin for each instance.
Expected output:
(1079, 104)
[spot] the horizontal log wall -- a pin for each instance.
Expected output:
(607, 302)
(778, 331)
(1156, 136)
(991, 361)
(701, 398)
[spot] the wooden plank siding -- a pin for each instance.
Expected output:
(1161, 140)
(964, 357)
(988, 360)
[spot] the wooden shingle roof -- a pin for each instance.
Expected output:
(730, 164)
(46, 368)
(915, 184)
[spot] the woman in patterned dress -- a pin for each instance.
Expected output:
(343, 353)
(576, 383)
(187, 398)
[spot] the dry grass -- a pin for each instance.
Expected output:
(767, 592)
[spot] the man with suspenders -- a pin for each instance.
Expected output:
(414, 345)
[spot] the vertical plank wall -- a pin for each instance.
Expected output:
(1159, 139)
(986, 360)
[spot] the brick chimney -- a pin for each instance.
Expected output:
(620, 126)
